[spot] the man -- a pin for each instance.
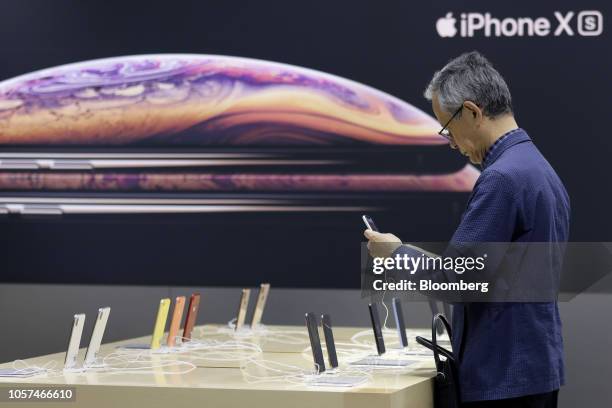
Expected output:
(510, 354)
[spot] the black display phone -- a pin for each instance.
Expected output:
(399, 322)
(369, 222)
(330, 344)
(378, 336)
(315, 342)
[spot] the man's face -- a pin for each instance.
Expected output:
(462, 130)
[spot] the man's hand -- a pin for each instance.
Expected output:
(381, 245)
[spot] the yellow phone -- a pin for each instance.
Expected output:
(160, 323)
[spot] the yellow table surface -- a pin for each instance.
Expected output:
(215, 383)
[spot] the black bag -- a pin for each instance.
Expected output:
(446, 388)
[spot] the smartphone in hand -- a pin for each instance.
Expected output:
(369, 222)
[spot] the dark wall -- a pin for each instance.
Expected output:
(559, 85)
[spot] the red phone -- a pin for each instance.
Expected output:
(192, 313)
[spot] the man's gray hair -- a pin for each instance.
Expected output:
(470, 77)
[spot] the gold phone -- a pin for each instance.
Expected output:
(264, 289)
(175, 323)
(242, 309)
(160, 323)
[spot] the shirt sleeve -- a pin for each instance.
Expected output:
(490, 217)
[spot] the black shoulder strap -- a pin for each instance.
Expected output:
(436, 350)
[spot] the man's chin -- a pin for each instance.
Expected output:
(474, 160)
(470, 157)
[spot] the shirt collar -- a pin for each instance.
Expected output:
(504, 141)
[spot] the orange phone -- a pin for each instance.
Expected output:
(192, 313)
(175, 323)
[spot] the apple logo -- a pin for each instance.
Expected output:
(446, 25)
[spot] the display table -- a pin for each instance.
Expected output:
(220, 384)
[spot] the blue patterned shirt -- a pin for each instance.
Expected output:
(508, 350)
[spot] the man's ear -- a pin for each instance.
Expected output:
(473, 110)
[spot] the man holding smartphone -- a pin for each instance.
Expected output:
(509, 354)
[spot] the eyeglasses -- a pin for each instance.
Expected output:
(444, 132)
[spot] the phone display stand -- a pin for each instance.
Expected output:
(259, 329)
(380, 361)
(163, 350)
(95, 364)
(246, 331)
(327, 380)
(20, 372)
(135, 346)
(75, 370)
(142, 346)
(422, 352)
(416, 351)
